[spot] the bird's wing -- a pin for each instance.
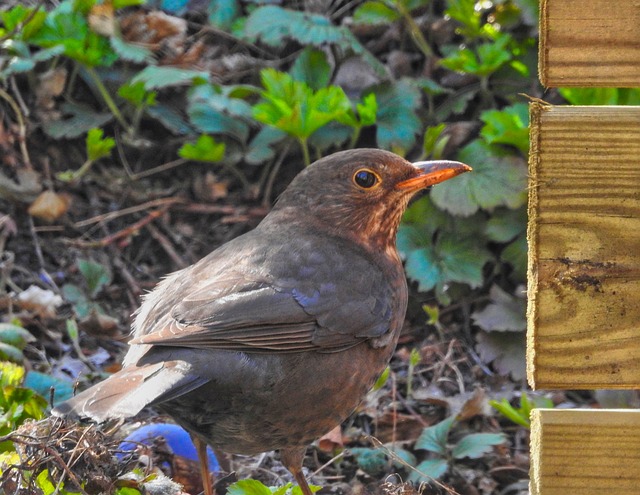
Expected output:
(284, 305)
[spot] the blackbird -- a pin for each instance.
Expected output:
(273, 339)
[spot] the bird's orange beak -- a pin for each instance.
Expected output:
(432, 172)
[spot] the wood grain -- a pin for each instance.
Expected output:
(584, 248)
(585, 452)
(589, 43)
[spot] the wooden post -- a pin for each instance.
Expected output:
(590, 43)
(584, 247)
(583, 315)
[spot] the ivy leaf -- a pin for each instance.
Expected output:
(397, 121)
(261, 146)
(312, 68)
(498, 179)
(42, 384)
(434, 438)
(507, 126)
(222, 13)
(274, 25)
(516, 255)
(130, 51)
(98, 146)
(476, 445)
(431, 469)
(504, 313)
(206, 149)
(214, 112)
(77, 120)
(155, 77)
(505, 224)
(436, 264)
(375, 13)
(506, 350)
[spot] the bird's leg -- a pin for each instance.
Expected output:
(201, 448)
(292, 460)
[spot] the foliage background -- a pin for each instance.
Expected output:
(136, 137)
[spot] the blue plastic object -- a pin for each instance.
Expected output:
(176, 437)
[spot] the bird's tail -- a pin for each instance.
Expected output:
(127, 392)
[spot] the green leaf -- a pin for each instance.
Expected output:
(274, 25)
(95, 275)
(15, 336)
(506, 224)
(14, 18)
(261, 146)
(11, 374)
(601, 96)
(449, 259)
(431, 469)
(434, 438)
(248, 487)
(497, 179)
(42, 384)
(487, 59)
(371, 460)
(121, 4)
(170, 118)
(206, 149)
(507, 126)
(382, 379)
(397, 120)
(77, 120)
(433, 142)
(66, 27)
(470, 18)
(131, 52)
(311, 67)
(213, 112)
(516, 255)
(155, 77)
(476, 445)
(508, 411)
(43, 480)
(137, 95)
(375, 13)
(367, 110)
(97, 146)
(10, 353)
(504, 313)
(222, 13)
(293, 107)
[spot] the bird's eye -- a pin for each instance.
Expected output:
(365, 178)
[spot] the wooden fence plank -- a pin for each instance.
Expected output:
(585, 452)
(584, 248)
(589, 43)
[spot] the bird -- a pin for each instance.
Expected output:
(273, 339)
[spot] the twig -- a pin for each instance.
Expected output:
(166, 245)
(106, 217)
(22, 128)
(105, 241)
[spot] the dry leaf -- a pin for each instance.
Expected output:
(49, 206)
(331, 441)
(24, 189)
(41, 301)
(102, 20)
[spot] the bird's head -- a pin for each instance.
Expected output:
(361, 194)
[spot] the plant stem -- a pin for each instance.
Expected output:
(414, 29)
(305, 151)
(107, 98)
